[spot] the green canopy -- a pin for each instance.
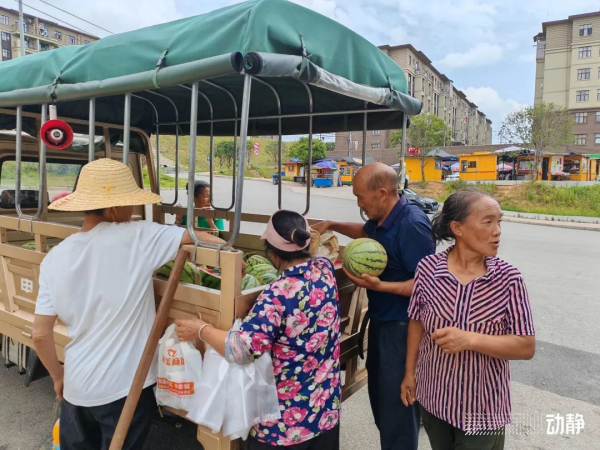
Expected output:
(277, 41)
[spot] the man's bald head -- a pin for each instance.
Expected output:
(377, 176)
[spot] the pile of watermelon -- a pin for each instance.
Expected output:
(262, 269)
(259, 271)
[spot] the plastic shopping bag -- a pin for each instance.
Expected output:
(179, 371)
(251, 396)
(210, 401)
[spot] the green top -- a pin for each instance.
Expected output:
(268, 37)
(203, 223)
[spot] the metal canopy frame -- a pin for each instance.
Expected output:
(242, 117)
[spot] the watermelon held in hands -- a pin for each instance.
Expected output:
(365, 256)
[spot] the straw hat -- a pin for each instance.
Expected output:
(105, 183)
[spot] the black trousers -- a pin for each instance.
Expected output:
(92, 428)
(330, 440)
(398, 425)
(443, 436)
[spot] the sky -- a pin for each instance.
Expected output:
(486, 47)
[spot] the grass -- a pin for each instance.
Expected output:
(166, 182)
(533, 197)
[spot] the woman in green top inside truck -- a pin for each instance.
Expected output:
(202, 201)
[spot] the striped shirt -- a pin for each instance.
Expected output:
(469, 390)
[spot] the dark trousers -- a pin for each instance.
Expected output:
(398, 425)
(443, 436)
(330, 440)
(92, 428)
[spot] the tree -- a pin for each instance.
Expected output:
(543, 128)
(249, 151)
(426, 132)
(330, 146)
(272, 151)
(224, 153)
(299, 149)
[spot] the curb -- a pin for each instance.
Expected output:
(555, 224)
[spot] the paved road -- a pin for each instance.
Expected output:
(561, 269)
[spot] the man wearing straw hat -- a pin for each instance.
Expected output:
(99, 282)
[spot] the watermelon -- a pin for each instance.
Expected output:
(190, 273)
(256, 260)
(210, 278)
(365, 256)
(267, 278)
(249, 282)
(259, 270)
(31, 246)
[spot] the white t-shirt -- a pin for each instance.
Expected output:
(100, 284)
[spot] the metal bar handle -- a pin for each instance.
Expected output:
(310, 148)
(280, 144)
(127, 128)
(235, 138)
(364, 152)
(92, 131)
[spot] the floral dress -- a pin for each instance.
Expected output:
(297, 319)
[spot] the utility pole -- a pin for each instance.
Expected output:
(22, 27)
(349, 144)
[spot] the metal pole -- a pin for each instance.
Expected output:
(310, 148)
(403, 151)
(42, 170)
(364, 153)
(19, 148)
(92, 132)
(22, 28)
(127, 128)
(349, 144)
(242, 156)
(192, 165)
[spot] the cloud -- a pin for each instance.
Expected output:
(492, 104)
(480, 55)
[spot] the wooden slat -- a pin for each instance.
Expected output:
(24, 302)
(194, 295)
(21, 253)
(21, 271)
(43, 228)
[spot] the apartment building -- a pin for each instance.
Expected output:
(568, 74)
(40, 35)
(469, 125)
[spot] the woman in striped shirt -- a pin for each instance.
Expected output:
(470, 315)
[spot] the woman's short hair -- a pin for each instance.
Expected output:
(291, 226)
(456, 209)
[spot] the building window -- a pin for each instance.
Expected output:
(5, 53)
(472, 164)
(583, 74)
(58, 36)
(43, 30)
(585, 52)
(4, 20)
(376, 132)
(70, 39)
(376, 146)
(5, 36)
(597, 116)
(585, 30)
(581, 117)
(85, 42)
(598, 95)
(581, 139)
(583, 96)
(597, 139)
(436, 99)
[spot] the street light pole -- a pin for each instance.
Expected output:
(22, 27)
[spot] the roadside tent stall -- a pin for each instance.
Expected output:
(348, 166)
(263, 67)
(478, 166)
(324, 175)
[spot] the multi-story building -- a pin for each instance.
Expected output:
(469, 125)
(40, 35)
(568, 74)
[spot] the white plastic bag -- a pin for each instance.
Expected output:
(251, 396)
(179, 371)
(210, 402)
(235, 397)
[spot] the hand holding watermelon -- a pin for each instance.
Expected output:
(364, 281)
